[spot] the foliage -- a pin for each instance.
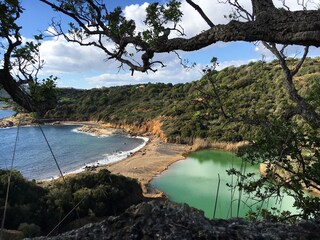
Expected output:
(44, 93)
(23, 202)
(158, 17)
(21, 63)
(233, 104)
(98, 194)
(292, 165)
(191, 110)
(29, 230)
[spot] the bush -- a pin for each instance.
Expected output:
(29, 229)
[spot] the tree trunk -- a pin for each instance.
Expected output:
(303, 108)
(17, 94)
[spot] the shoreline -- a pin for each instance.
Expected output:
(154, 157)
(143, 165)
(149, 162)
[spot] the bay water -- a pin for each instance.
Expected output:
(5, 112)
(72, 149)
(195, 181)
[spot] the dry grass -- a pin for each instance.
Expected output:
(199, 143)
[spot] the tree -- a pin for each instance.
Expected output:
(265, 23)
(21, 63)
(94, 24)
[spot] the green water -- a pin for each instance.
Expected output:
(195, 181)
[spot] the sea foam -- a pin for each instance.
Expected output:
(107, 158)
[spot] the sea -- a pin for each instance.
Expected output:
(5, 113)
(36, 153)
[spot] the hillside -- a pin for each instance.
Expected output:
(247, 95)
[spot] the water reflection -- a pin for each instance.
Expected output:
(195, 181)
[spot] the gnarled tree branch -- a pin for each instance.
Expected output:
(266, 23)
(302, 108)
(269, 25)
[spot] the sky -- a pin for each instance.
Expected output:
(86, 67)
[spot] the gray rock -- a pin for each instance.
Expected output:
(159, 219)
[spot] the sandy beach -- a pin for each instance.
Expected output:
(155, 157)
(149, 162)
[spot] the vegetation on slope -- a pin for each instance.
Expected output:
(231, 105)
(248, 94)
(95, 195)
(234, 104)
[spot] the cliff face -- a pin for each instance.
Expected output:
(152, 126)
(164, 220)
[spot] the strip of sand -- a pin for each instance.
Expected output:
(149, 162)
(143, 165)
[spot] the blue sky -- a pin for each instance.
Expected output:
(84, 67)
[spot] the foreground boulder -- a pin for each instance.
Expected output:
(160, 219)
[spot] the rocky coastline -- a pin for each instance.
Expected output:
(20, 119)
(99, 130)
(159, 219)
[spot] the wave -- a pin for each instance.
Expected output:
(107, 158)
(77, 130)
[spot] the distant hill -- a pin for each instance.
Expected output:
(252, 92)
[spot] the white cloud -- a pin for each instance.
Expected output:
(192, 22)
(174, 73)
(216, 10)
(64, 58)
(137, 13)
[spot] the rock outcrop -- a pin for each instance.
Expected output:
(152, 127)
(160, 219)
(99, 130)
(18, 119)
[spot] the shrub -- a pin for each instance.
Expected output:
(29, 229)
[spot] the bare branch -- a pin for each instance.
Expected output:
(284, 5)
(200, 11)
(303, 108)
(300, 63)
(240, 12)
(217, 95)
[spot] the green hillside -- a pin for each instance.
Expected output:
(248, 95)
